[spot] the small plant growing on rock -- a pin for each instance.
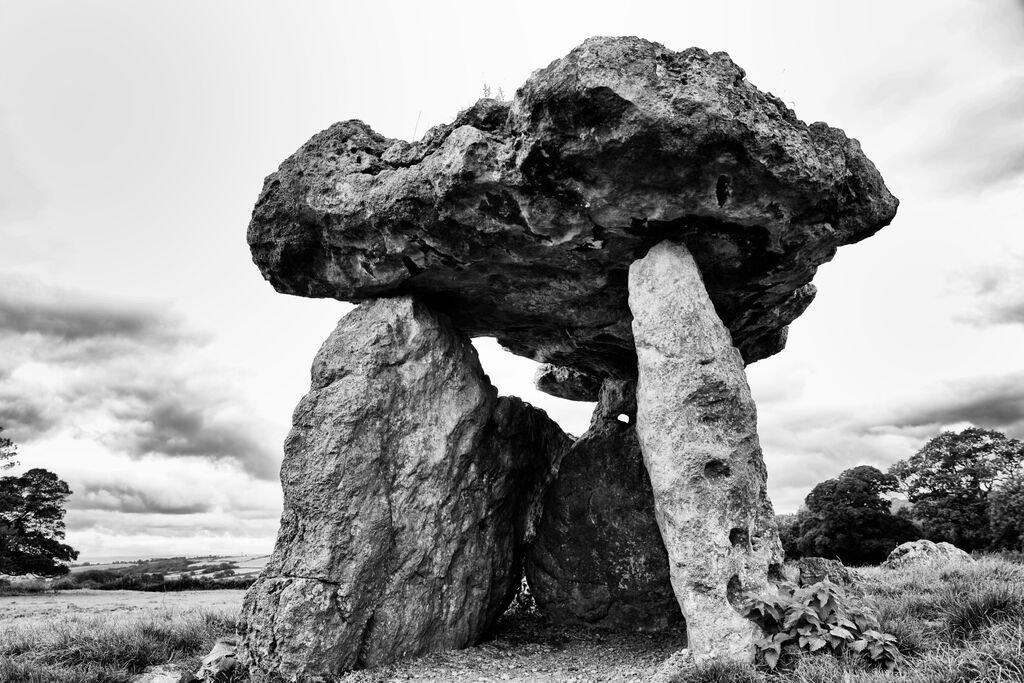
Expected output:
(817, 619)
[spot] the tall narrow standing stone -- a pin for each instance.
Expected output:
(409, 487)
(697, 426)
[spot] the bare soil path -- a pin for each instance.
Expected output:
(525, 648)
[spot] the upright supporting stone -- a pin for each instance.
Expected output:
(409, 488)
(697, 426)
(598, 557)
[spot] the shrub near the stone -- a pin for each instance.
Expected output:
(818, 619)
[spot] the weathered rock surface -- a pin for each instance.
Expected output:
(520, 219)
(697, 427)
(925, 552)
(567, 383)
(598, 557)
(408, 489)
(817, 569)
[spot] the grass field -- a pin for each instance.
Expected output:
(88, 636)
(954, 624)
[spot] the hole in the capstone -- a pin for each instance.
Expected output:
(775, 573)
(716, 469)
(739, 536)
(723, 189)
(513, 376)
(623, 418)
(734, 592)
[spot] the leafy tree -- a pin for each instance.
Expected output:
(1006, 514)
(8, 451)
(789, 532)
(949, 482)
(848, 518)
(32, 524)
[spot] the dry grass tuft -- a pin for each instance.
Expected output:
(99, 649)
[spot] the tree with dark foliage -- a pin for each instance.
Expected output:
(849, 519)
(7, 452)
(950, 480)
(789, 533)
(1006, 514)
(32, 521)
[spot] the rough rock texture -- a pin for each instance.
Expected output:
(817, 569)
(567, 383)
(520, 219)
(598, 557)
(925, 552)
(697, 427)
(405, 501)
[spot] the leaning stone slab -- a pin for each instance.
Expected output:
(598, 558)
(697, 427)
(408, 488)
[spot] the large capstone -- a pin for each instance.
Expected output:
(598, 557)
(409, 491)
(520, 219)
(697, 426)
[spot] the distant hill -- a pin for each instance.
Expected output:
(176, 567)
(154, 574)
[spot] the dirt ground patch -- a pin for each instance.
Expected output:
(525, 648)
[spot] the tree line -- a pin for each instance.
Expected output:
(966, 488)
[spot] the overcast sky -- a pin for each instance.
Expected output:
(144, 359)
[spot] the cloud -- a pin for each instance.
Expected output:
(31, 307)
(129, 499)
(77, 320)
(805, 444)
(128, 376)
(991, 402)
(169, 421)
(996, 292)
(957, 122)
(20, 196)
(983, 144)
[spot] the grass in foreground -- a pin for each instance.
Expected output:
(953, 625)
(101, 649)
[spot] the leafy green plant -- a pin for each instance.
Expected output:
(818, 619)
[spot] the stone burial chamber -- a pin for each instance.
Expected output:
(643, 223)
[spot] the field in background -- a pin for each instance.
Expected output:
(38, 609)
(954, 624)
(176, 567)
(159, 574)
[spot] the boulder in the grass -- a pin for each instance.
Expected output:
(925, 552)
(817, 569)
